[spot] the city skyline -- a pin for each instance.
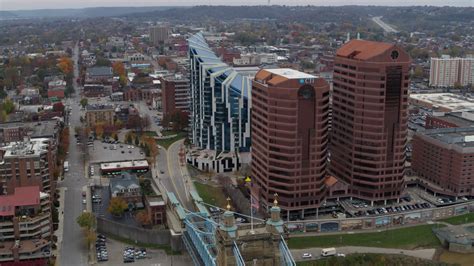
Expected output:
(12, 5)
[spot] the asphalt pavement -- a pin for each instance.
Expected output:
(316, 252)
(73, 250)
(170, 174)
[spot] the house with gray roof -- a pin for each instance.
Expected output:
(127, 187)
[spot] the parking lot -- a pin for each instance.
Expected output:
(153, 256)
(101, 152)
(100, 207)
(414, 199)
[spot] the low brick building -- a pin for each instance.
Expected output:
(156, 209)
(444, 158)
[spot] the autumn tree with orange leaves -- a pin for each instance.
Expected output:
(119, 70)
(65, 65)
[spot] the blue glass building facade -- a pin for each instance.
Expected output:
(220, 101)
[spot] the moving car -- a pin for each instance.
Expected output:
(307, 255)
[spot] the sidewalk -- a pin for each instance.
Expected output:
(59, 232)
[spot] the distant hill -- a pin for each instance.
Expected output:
(7, 15)
(78, 13)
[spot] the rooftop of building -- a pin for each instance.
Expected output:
(155, 200)
(461, 119)
(32, 147)
(23, 196)
(123, 181)
(448, 101)
(201, 50)
(97, 107)
(41, 129)
(121, 165)
(463, 137)
(363, 49)
(289, 73)
(99, 71)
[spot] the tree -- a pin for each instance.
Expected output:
(117, 206)
(66, 65)
(8, 106)
(150, 147)
(137, 141)
(12, 77)
(143, 218)
(101, 61)
(99, 129)
(3, 116)
(418, 73)
(115, 136)
(118, 69)
(129, 138)
(179, 119)
(457, 85)
(84, 102)
(90, 237)
(86, 220)
(58, 107)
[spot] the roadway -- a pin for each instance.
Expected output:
(171, 175)
(168, 171)
(73, 250)
(316, 252)
(387, 28)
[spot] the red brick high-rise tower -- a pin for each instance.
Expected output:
(369, 118)
(290, 115)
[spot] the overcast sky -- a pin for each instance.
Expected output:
(39, 4)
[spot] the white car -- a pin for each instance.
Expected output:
(341, 255)
(84, 201)
(307, 255)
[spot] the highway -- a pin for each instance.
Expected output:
(387, 28)
(73, 250)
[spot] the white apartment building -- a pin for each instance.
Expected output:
(253, 59)
(446, 71)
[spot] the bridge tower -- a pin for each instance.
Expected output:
(264, 245)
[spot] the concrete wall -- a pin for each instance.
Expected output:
(160, 237)
(459, 248)
(383, 221)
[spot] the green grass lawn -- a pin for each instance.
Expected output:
(461, 219)
(167, 142)
(404, 238)
(211, 195)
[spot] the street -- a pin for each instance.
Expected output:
(73, 250)
(171, 175)
(316, 252)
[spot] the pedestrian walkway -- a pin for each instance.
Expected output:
(59, 233)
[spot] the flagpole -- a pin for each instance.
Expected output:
(248, 180)
(251, 214)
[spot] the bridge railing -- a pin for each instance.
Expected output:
(286, 257)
